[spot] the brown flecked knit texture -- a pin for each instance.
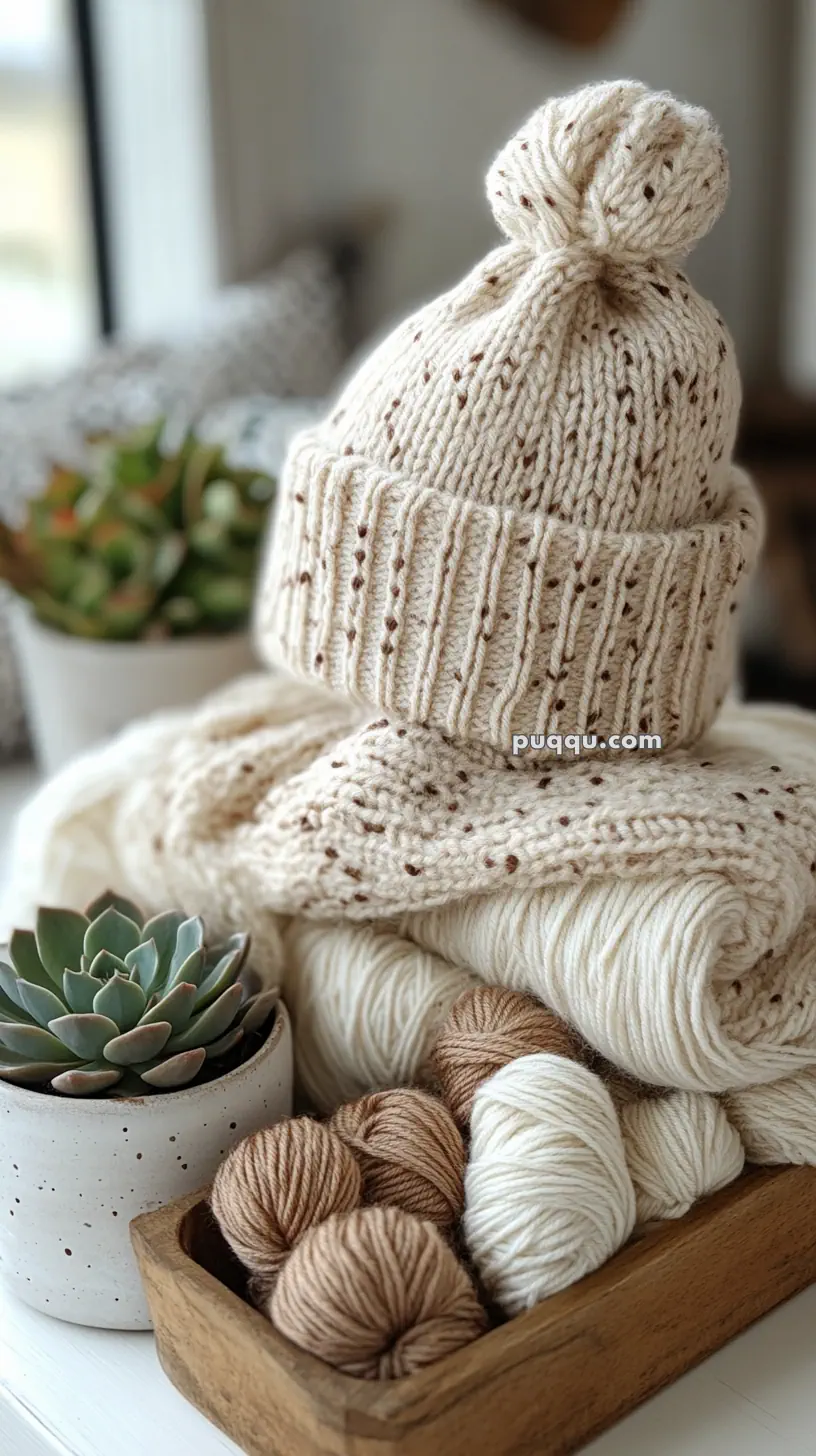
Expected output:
(394, 820)
(379, 818)
(523, 514)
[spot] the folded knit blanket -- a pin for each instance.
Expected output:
(665, 905)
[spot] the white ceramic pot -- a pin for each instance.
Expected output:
(79, 692)
(75, 1171)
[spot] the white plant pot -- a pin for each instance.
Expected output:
(75, 1171)
(79, 693)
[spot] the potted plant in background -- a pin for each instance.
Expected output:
(133, 1055)
(137, 581)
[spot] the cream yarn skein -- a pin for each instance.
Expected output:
(367, 1006)
(641, 969)
(777, 1122)
(548, 1197)
(678, 1148)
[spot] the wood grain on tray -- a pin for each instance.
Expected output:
(544, 1382)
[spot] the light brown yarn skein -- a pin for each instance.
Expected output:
(485, 1029)
(275, 1185)
(410, 1152)
(377, 1294)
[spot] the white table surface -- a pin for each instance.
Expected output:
(70, 1391)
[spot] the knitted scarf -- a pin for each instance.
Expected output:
(664, 905)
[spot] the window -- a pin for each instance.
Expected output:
(48, 286)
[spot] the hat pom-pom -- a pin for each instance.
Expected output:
(624, 172)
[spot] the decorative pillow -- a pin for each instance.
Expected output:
(280, 335)
(255, 432)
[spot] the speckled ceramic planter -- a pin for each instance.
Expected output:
(75, 1171)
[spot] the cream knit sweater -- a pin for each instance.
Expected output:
(666, 908)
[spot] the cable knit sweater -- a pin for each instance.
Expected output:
(664, 906)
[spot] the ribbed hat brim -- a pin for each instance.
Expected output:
(486, 622)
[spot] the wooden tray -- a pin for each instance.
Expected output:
(544, 1382)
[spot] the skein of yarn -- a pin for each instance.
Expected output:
(275, 1185)
(486, 1028)
(377, 1294)
(548, 1197)
(598, 953)
(366, 1005)
(678, 1148)
(777, 1121)
(410, 1153)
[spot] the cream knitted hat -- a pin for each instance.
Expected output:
(523, 514)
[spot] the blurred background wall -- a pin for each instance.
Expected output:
(798, 221)
(327, 103)
(222, 125)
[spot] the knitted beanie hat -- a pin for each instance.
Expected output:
(523, 515)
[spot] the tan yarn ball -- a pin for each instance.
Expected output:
(275, 1185)
(487, 1028)
(377, 1294)
(409, 1150)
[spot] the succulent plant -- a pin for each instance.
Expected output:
(108, 999)
(148, 543)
